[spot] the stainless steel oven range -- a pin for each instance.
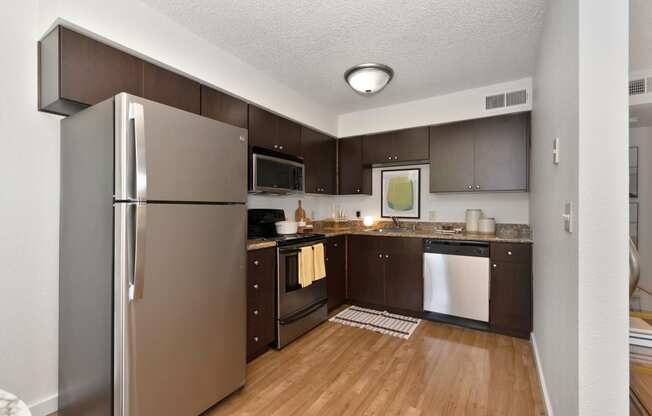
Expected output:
(298, 309)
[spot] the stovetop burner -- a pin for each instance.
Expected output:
(261, 227)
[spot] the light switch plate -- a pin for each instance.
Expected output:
(568, 217)
(555, 151)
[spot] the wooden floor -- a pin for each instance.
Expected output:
(441, 370)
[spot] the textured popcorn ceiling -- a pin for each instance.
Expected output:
(435, 46)
(640, 32)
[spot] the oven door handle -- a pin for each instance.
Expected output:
(303, 313)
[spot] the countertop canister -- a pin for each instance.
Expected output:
(472, 218)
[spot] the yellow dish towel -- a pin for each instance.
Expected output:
(306, 266)
(320, 265)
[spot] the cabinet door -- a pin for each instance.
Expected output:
(501, 153)
(411, 144)
(261, 266)
(319, 159)
(76, 71)
(510, 309)
(404, 273)
(366, 282)
(172, 89)
(223, 107)
(336, 271)
(262, 128)
(289, 136)
(378, 148)
(354, 178)
(451, 157)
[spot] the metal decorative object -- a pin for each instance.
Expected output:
(634, 267)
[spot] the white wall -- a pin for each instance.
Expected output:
(139, 29)
(642, 137)
(461, 105)
(603, 199)
(580, 300)
(506, 207)
(29, 218)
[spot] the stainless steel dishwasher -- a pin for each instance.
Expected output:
(456, 278)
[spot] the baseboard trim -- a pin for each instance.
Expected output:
(45, 407)
(542, 379)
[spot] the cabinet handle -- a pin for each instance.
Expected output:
(494, 265)
(509, 253)
(326, 259)
(275, 146)
(358, 190)
(334, 244)
(256, 312)
(469, 186)
(256, 286)
(386, 256)
(395, 157)
(389, 158)
(256, 262)
(255, 339)
(280, 147)
(380, 256)
(477, 187)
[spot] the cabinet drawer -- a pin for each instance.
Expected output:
(261, 265)
(510, 252)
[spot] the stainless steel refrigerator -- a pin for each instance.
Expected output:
(152, 260)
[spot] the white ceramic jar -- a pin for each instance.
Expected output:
(472, 218)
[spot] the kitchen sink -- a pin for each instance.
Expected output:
(394, 230)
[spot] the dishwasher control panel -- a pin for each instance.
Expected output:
(459, 248)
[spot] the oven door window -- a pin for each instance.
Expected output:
(291, 270)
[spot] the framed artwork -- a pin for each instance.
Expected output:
(400, 193)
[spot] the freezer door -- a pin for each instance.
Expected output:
(166, 154)
(180, 307)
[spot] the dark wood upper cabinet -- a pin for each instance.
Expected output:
(501, 153)
(378, 148)
(273, 132)
(319, 158)
(167, 87)
(366, 268)
(223, 107)
(354, 178)
(409, 145)
(404, 273)
(76, 71)
(510, 310)
(488, 154)
(336, 271)
(451, 157)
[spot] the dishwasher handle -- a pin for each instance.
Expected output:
(457, 248)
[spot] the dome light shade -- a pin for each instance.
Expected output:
(368, 79)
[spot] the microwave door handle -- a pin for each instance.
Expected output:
(137, 114)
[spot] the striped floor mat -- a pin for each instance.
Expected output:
(383, 322)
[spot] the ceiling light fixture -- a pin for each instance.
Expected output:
(368, 79)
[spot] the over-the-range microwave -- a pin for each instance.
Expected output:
(274, 172)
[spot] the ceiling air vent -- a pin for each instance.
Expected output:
(637, 86)
(516, 98)
(494, 101)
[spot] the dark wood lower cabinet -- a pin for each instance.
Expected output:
(336, 271)
(261, 273)
(366, 267)
(510, 310)
(404, 273)
(386, 272)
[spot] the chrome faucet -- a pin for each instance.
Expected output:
(396, 222)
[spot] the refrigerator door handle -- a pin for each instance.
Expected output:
(138, 278)
(137, 114)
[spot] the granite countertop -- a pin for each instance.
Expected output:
(500, 237)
